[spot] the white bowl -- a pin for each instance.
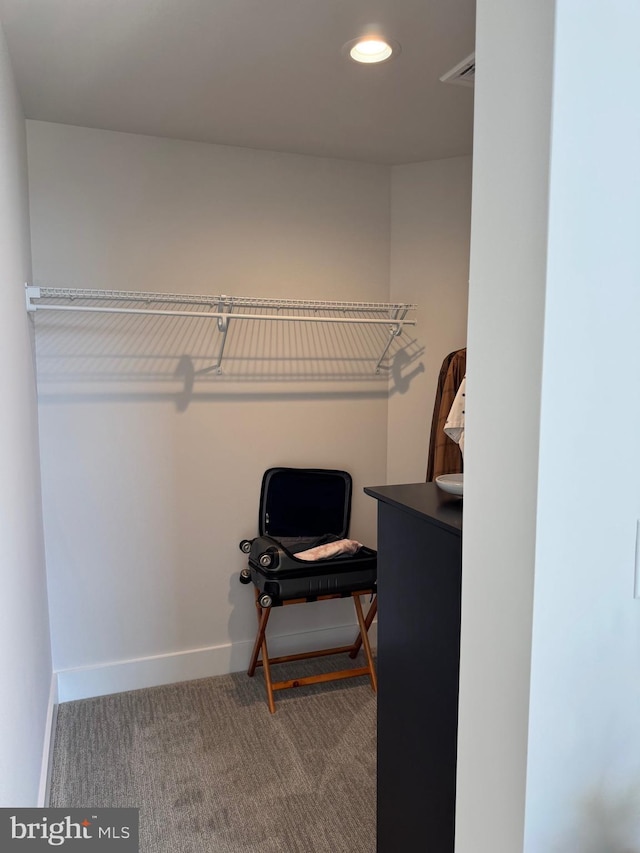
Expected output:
(451, 483)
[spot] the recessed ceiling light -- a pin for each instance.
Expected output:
(371, 49)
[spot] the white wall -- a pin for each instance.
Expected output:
(550, 763)
(25, 659)
(430, 225)
(514, 43)
(583, 779)
(147, 489)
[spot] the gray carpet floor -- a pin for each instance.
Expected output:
(212, 771)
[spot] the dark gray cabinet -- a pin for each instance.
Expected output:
(419, 586)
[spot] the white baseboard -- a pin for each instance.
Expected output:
(119, 676)
(47, 748)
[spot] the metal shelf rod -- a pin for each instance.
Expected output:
(217, 301)
(226, 315)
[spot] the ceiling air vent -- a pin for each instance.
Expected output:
(463, 74)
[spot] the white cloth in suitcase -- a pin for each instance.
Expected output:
(331, 549)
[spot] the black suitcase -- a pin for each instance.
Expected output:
(299, 509)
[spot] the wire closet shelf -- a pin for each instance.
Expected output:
(224, 309)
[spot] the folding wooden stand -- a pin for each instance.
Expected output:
(364, 622)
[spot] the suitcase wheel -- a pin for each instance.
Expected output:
(265, 600)
(245, 576)
(245, 546)
(269, 559)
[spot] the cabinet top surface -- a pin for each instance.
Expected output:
(425, 500)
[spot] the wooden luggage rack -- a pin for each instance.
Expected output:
(260, 655)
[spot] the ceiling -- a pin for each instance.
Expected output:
(264, 74)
